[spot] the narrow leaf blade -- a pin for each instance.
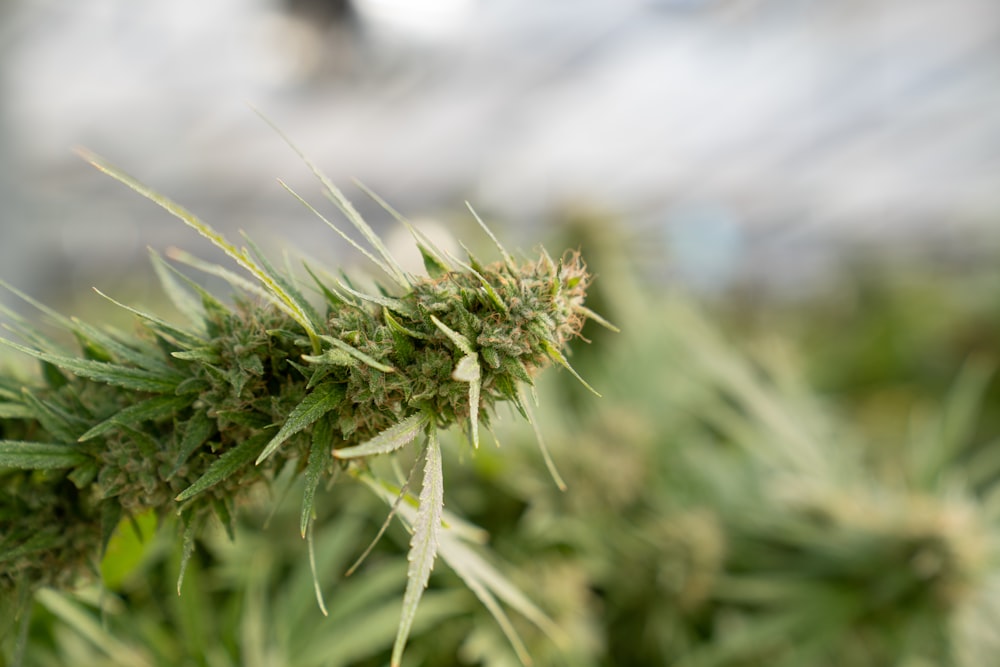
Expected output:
(388, 440)
(423, 544)
(317, 403)
(38, 455)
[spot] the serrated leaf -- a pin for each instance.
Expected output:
(423, 543)
(113, 374)
(357, 354)
(187, 549)
(317, 403)
(91, 336)
(153, 408)
(395, 305)
(60, 424)
(39, 455)
(457, 339)
(320, 458)
(227, 464)
(388, 440)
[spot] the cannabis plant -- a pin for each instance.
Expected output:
(187, 419)
(724, 513)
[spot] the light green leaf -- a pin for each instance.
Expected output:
(280, 297)
(557, 356)
(231, 461)
(423, 543)
(15, 411)
(38, 455)
(358, 354)
(317, 403)
(434, 258)
(374, 260)
(396, 326)
(234, 279)
(457, 339)
(183, 300)
(182, 336)
(390, 266)
(395, 305)
(77, 617)
(388, 440)
(591, 315)
(91, 335)
(468, 370)
(507, 259)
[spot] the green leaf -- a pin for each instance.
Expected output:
(39, 455)
(285, 284)
(423, 544)
(90, 336)
(187, 549)
(357, 246)
(196, 431)
(317, 403)
(169, 331)
(320, 458)
(507, 259)
(15, 411)
(388, 440)
(113, 374)
(277, 295)
(153, 408)
(183, 300)
(435, 268)
(457, 339)
(391, 266)
(589, 314)
(558, 357)
(227, 464)
(60, 424)
(427, 247)
(357, 354)
(468, 370)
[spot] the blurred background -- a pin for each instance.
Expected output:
(792, 208)
(756, 138)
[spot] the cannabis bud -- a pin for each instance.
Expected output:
(183, 419)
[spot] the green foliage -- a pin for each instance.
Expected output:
(187, 421)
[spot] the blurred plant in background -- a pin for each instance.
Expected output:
(802, 484)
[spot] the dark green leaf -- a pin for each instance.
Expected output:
(317, 403)
(227, 464)
(39, 455)
(153, 408)
(320, 458)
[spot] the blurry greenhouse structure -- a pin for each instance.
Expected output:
(792, 210)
